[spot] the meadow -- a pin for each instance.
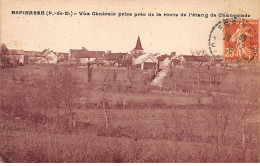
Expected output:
(64, 114)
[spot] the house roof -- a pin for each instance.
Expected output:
(32, 53)
(127, 62)
(15, 52)
(62, 55)
(150, 57)
(86, 53)
(46, 52)
(37, 53)
(138, 44)
(77, 53)
(196, 58)
(162, 57)
(115, 56)
(139, 59)
(96, 54)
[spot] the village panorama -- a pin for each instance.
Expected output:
(103, 106)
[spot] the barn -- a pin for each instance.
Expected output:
(150, 63)
(16, 56)
(85, 56)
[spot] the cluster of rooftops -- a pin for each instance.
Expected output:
(84, 55)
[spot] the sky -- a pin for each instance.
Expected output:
(117, 34)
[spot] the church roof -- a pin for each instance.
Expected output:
(138, 44)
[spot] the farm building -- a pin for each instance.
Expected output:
(32, 56)
(36, 57)
(161, 58)
(181, 61)
(84, 56)
(15, 56)
(62, 57)
(48, 57)
(146, 62)
(115, 58)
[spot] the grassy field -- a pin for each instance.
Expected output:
(126, 124)
(132, 136)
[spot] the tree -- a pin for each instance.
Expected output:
(105, 88)
(200, 52)
(62, 87)
(245, 106)
(89, 71)
(3, 51)
(198, 66)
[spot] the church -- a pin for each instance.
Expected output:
(138, 50)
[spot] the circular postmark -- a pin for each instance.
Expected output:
(215, 40)
(235, 40)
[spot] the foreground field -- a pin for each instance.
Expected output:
(55, 114)
(148, 138)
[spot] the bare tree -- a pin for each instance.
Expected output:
(198, 66)
(89, 71)
(198, 52)
(105, 88)
(218, 121)
(245, 107)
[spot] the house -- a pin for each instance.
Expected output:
(31, 56)
(85, 56)
(161, 59)
(15, 56)
(62, 56)
(36, 57)
(150, 63)
(182, 61)
(48, 57)
(115, 58)
(146, 62)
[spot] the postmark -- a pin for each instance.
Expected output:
(235, 40)
(216, 40)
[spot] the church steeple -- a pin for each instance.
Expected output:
(138, 44)
(138, 50)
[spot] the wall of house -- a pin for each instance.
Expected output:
(42, 60)
(161, 66)
(19, 58)
(14, 59)
(51, 58)
(32, 60)
(86, 60)
(149, 66)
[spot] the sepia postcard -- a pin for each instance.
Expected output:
(129, 81)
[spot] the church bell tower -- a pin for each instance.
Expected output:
(138, 50)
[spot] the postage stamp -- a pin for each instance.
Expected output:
(235, 40)
(241, 40)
